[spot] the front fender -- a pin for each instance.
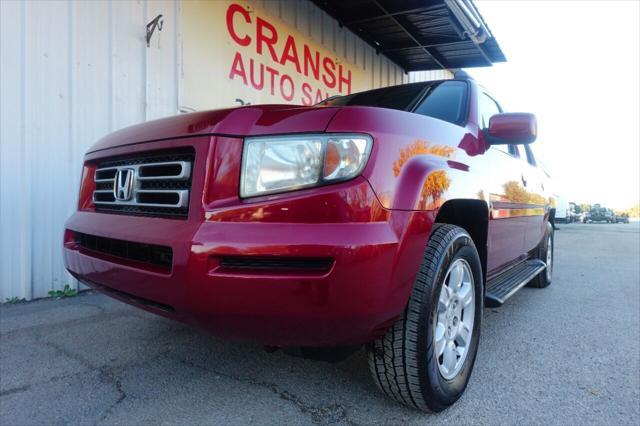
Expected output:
(421, 182)
(426, 182)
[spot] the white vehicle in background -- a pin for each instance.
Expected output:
(562, 210)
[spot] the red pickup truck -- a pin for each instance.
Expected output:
(387, 218)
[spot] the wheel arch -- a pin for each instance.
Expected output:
(552, 216)
(472, 216)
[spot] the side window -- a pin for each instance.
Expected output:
(488, 108)
(515, 150)
(531, 159)
(504, 148)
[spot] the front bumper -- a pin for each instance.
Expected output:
(353, 302)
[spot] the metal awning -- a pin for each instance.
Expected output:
(420, 35)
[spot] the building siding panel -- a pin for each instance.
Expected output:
(128, 62)
(71, 72)
(15, 179)
(162, 61)
(47, 56)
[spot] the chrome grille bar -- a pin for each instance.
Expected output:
(145, 171)
(147, 189)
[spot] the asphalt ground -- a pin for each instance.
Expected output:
(568, 354)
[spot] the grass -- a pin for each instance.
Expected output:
(67, 291)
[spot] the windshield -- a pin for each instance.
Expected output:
(445, 100)
(394, 97)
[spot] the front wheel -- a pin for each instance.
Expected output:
(544, 252)
(425, 360)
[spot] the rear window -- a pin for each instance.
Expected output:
(444, 100)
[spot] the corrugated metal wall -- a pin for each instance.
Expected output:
(310, 20)
(429, 75)
(71, 72)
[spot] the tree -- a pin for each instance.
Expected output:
(437, 182)
(420, 147)
(585, 208)
(515, 193)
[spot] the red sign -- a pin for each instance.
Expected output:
(280, 63)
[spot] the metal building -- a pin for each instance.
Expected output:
(73, 71)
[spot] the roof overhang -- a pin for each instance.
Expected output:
(420, 35)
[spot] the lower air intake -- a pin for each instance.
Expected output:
(275, 263)
(158, 256)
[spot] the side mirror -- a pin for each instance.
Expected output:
(512, 128)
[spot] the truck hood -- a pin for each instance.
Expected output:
(254, 120)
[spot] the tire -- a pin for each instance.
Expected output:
(403, 362)
(543, 279)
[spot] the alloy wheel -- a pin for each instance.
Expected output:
(455, 317)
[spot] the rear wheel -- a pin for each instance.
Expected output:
(425, 360)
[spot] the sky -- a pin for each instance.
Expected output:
(576, 65)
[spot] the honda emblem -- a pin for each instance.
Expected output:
(123, 184)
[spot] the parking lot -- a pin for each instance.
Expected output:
(568, 354)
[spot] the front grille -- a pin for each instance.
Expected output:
(151, 254)
(152, 184)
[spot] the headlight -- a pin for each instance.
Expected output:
(285, 163)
